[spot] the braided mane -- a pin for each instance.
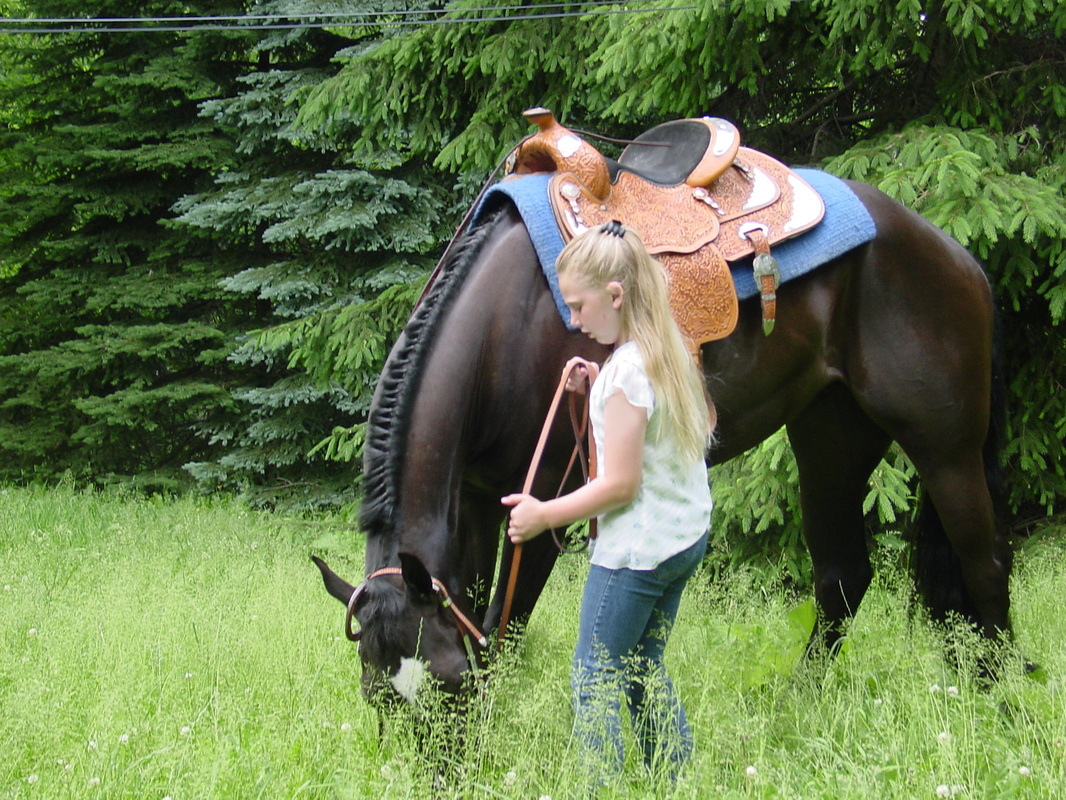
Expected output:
(384, 446)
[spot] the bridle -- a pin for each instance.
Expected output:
(468, 631)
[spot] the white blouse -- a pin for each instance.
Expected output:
(672, 509)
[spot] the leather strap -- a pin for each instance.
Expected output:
(767, 275)
(592, 369)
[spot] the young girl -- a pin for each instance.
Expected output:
(650, 417)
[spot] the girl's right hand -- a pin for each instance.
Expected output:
(526, 518)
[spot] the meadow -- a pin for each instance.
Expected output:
(186, 649)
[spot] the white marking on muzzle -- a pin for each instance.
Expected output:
(409, 678)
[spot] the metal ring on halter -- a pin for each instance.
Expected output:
(353, 636)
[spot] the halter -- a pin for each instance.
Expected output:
(467, 629)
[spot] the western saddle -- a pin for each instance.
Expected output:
(696, 197)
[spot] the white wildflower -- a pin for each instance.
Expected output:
(943, 790)
(510, 778)
(185, 730)
(933, 690)
(953, 691)
(346, 727)
(943, 737)
(1024, 771)
(750, 772)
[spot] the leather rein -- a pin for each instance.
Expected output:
(582, 434)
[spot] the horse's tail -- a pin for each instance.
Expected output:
(938, 579)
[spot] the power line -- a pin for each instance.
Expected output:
(307, 15)
(320, 20)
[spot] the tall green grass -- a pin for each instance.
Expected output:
(186, 649)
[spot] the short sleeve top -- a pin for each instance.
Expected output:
(672, 509)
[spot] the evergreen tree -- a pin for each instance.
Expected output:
(113, 327)
(331, 244)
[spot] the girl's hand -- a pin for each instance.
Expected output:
(577, 379)
(527, 517)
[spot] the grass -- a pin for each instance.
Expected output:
(186, 649)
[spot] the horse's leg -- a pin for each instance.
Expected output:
(922, 367)
(477, 536)
(962, 563)
(836, 446)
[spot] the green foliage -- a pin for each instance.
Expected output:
(313, 172)
(757, 520)
(110, 323)
(331, 246)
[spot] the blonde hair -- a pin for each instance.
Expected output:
(611, 252)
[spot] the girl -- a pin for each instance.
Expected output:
(649, 413)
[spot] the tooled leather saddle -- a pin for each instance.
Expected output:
(698, 199)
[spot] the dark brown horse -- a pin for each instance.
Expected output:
(891, 341)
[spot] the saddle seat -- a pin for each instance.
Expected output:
(692, 151)
(698, 199)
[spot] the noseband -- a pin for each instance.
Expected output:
(469, 632)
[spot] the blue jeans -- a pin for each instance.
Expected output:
(626, 618)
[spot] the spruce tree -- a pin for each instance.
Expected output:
(333, 247)
(113, 328)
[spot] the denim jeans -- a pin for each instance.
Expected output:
(626, 618)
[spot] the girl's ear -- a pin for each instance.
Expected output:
(616, 292)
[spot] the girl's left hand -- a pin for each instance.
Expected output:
(527, 517)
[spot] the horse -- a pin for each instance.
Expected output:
(891, 341)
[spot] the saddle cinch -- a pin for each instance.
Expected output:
(696, 197)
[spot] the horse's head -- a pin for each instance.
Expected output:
(410, 632)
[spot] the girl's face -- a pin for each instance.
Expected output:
(596, 311)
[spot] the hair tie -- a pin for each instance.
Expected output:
(614, 228)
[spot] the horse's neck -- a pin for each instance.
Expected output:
(465, 398)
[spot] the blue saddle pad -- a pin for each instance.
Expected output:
(846, 225)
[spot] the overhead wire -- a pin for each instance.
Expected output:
(354, 19)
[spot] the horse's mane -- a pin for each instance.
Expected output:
(386, 429)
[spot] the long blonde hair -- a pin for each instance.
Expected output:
(612, 252)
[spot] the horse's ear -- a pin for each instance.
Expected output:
(415, 575)
(335, 585)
